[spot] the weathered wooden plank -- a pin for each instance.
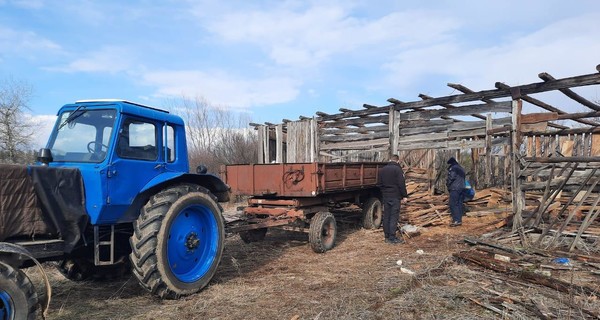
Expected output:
(595, 144)
(465, 110)
(563, 159)
(467, 133)
(459, 144)
(539, 117)
(570, 93)
(424, 137)
(355, 137)
(566, 132)
(542, 104)
(535, 127)
(357, 121)
(369, 129)
(262, 136)
(431, 126)
(279, 143)
(357, 145)
(566, 149)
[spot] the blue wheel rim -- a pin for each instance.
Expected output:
(6, 306)
(192, 243)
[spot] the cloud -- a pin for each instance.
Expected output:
(311, 36)
(563, 48)
(109, 59)
(222, 88)
(43, 124)
(27, 43)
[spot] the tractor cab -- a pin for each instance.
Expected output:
(119, 147)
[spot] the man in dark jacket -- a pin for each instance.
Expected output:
(393, 190)
(455, 182)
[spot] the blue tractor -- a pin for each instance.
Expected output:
(111, 193)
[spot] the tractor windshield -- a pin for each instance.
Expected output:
(82, 135)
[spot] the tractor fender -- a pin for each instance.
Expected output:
(206, 180)
(209, 181)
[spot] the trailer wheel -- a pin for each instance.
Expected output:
(18, 299)
(372, 214)
(253, 235)
(178, 241)
(322, 232)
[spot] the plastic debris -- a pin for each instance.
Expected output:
(399, 262)
(563, 261)
(420, 251)
(407, 271)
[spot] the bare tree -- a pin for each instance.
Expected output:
(15, 130)
(216, 135)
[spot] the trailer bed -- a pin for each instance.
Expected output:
(300, 179)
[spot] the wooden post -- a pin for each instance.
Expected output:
(394, 130)
(279, 143)
(488, 150)
(261, 144)
(315, 141)
(518, 196)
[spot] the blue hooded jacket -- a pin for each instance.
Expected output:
(455, 181)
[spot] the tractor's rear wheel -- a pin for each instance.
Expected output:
(18, 299)
(322, 232)
(178, 241)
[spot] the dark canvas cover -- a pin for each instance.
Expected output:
(42, 201)
(20, 211)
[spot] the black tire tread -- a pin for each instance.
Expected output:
(24, 284)
(368, 220)
(144, 240)
(315, 236)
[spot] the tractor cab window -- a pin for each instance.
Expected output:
(137, 140)
(82, 135)
(170, 135)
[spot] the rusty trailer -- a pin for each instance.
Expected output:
(302, 196)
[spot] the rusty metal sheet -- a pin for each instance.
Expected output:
(300, 179)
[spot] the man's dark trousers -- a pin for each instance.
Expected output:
(456, 205)
(391, 215)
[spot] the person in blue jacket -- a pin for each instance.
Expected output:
(455, 182)
(393, 190)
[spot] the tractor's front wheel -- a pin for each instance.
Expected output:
(18, 299)
(178, 241)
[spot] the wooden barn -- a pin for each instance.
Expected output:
(546, 155)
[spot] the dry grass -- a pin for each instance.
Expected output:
(281, 278)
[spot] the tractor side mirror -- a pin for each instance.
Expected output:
(201, 169)
(45, 156)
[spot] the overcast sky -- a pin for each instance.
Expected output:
(283, 59)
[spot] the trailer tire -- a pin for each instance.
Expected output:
(178, 241)
(322, 232)
(372, 213)
(18, 299)
(253, 235)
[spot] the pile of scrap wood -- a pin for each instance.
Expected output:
(534, 284)
(425, 209)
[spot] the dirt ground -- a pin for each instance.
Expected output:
(282, 278)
